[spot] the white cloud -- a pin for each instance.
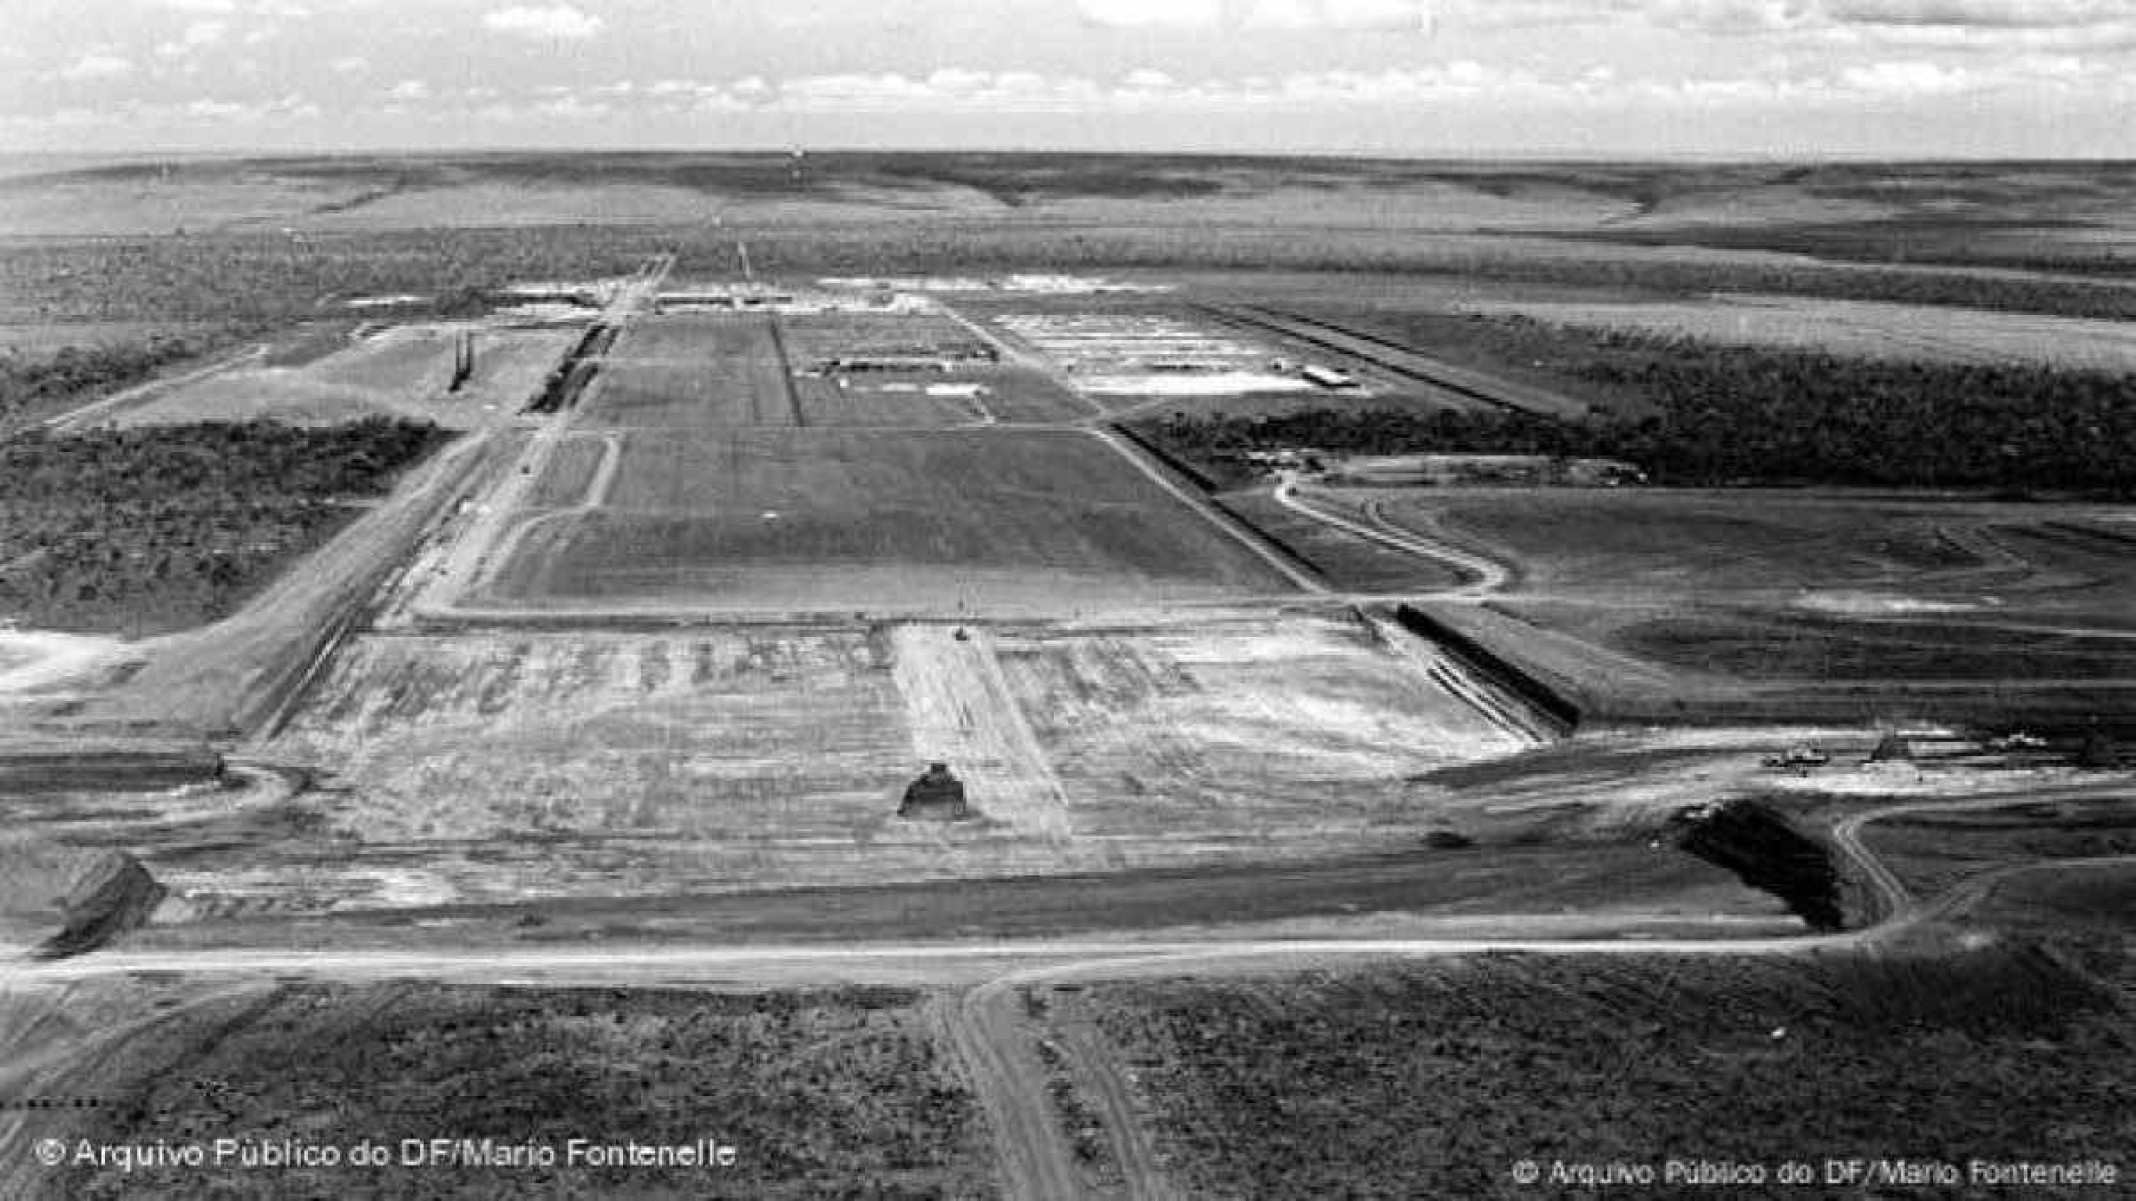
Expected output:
(198, 35)
(1282, 15)
(409, 89)
(1733, 16)
(1153, 14)
(1902, 79)
(350, 64)
(555, 22)
(1379, 16)
(223, 7)
(211, 111)
(573, 108)
(2116, 35)
(97, 64)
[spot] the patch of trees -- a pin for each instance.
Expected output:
(1315, 1085)
(39, 382)
(134, 531)
(261, 280)
(1726, 415)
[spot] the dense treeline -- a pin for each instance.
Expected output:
(276, 278)
(150, 529)
(1735, 414)
(35, 383)
(273, 279)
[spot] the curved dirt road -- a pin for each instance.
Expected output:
(1484, 577)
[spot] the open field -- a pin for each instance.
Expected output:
(813, 340)
(1433, 1080)
(1777, 543)
(2051, 214)
(402, 372)
(1935, 852)
(1853, 327)
(1283, 721)
(494, 767)
(835, 1092)
(887, 400)
(692, 373)
(1344, 559)
(881, 520)
(1719, 590)
(589, 770)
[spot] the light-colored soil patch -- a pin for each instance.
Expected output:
(491, 767)
(402, 372)
(39, 660)
(599, 763)
(1310, 723)
(962, 712)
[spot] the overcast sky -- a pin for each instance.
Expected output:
(1662, 77)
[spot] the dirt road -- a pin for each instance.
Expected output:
(481, 547)
(1482, 577)
(986, 1028)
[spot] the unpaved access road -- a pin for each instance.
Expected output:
(1482, 577)
(987, 1029)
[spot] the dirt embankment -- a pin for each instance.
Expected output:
(1554, 710)
(57, 900)
(1760, 846)
(101, 765)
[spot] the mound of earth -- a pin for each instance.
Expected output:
(58, 900)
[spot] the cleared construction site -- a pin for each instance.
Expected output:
(718, 602)
(951, 725)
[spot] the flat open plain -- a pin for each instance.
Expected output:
(826, 520)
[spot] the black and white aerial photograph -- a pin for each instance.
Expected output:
(1142, 600)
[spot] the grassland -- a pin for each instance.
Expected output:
(693, 372)
(853, 520)
(1349, 561)
(1892, 604)
(328, 379)
(1934, 852)
(1851, 328)
(836, 1093)
(1434, 1080)
(1780, 543)
(369, 227)
(889, 401)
